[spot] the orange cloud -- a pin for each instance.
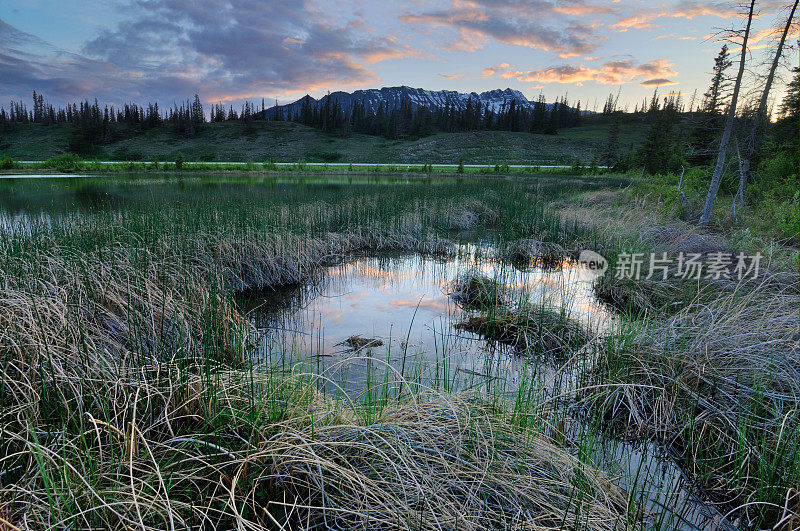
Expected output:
(508, 74)
(610, 73)
(391, 51)
(636, 22)
(687, 10)
(764, 34)
(489, 71)
(674, 37)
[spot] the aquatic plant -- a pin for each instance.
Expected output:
(530, 330)
(527, 252)
(476, 290)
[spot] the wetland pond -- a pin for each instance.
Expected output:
(396, 314)
(367, 324)
(372, 323)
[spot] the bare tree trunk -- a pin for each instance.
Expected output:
(680, 183)
(744, 169)
(741, 172)
(753, 144)
(726, 133)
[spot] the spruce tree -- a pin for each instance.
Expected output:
(659, 153)
(704, 135)
(611, 150)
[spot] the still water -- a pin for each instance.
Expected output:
(395, 312)
(400, 309)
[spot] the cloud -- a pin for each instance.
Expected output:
(657, 82)
(489, 71)
(687, 9)
(674, 37)
(222, 49)
(239, 46)
(610, 73)
(509, 74)
(582, 9)
(515, 23)
(29, 63)
(451, 76)
(764, 34)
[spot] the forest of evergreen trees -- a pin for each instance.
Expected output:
(409, 120)
(679, 137)
(675, 137)
(96, 125)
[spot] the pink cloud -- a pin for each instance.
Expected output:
(687, 10)
(512, 23)
(580, 10)
(610, 73)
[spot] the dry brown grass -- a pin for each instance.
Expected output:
(153, 446)
(468, 216)
(719, 384)
(128, 400)
(255, 260)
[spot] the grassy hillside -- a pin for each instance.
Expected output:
(290, 142)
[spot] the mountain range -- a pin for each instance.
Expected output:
(432, 99)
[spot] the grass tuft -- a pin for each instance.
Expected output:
(530, 330)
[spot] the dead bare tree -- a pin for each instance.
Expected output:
(719, 169)
(753, 143)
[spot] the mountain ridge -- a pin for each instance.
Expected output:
(371, 99)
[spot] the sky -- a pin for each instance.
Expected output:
(232, 50)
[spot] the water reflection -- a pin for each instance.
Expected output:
(403, 303)
(400, 310)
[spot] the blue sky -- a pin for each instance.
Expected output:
(166, 50)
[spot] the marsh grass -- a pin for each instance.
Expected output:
(170, 447)
(706, 367)
(530, 330)
(475, 290)
(129, 396)
(527, 253)
(719, 385)
(166, 425)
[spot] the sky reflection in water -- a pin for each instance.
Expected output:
(403, 302)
